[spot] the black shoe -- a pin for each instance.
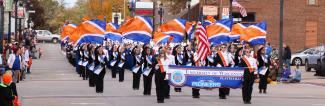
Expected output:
(247, 102)
(167, 97)
(91, 85)
(120, 81)
(135, 88)
(222, 98)
(196, 97)
(260, 91)
(160, 101)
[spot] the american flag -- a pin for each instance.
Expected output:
(242, 10)
(203, 43)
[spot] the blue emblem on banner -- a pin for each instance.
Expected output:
(178, 78)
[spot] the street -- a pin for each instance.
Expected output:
(54, 82)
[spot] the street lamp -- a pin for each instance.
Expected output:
(189, 8)
(161, 12)
(281, 40)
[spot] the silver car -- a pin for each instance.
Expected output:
(309, 57)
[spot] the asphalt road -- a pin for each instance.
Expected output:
(54, 82)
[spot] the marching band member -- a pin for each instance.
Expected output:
(99, 71)
(250, 65)
(137, 68)
(238, 56)
(85, 61)
(190, 61)
(114, 60)
(223, 60)
(263, 65)
(211, 59)
(91, 65)
(179, 60)
(121, 58)
(147, 70)
(161, 62)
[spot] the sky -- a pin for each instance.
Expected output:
(70, 3)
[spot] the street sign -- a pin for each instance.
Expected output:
(144, 5)
(210, 10)
(143, 12)
(21, 12)
(225, 13)
(8, 4)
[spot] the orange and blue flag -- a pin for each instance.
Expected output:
(160, 38)
(91, 31)
(256, 34)
(138, 29)
(67, 31)
(175, 28)
(190, 29)
(218, 33)
(111, 27)
(237, 31)
(114, 36)
(209, 21)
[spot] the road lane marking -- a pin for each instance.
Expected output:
(81, 103)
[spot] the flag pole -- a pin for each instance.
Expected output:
(230, 9)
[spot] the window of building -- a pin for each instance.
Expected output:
(311, 34)
(312, 2)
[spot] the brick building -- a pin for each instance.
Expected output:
(304, 20)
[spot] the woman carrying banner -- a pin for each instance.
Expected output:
(137, 68)
(189, 61)
(147, 70)
(161, 62)
(223, 60)
(250, 65)
(263, 67)
(99, 70)
(179, 60)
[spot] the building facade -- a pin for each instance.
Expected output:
(304, 24)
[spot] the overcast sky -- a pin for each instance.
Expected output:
(70, 3)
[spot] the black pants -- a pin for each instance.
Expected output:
(92, 78)
(263, 82)
(136, 80)
(83, 72)
(195, 92)
(162, 87)
(247, 85)
(147, 82)
(223, 92)
(100, 81)
(114, 70)
(121, 74)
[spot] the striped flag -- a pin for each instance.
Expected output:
(203, 43)
(242, 10)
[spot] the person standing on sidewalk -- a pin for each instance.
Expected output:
(15, 64)
(6, 97)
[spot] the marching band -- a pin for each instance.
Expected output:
(152, 62)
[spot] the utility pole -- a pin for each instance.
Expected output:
(230, 9)
(16, 16)
(281, 38)
(1, 25)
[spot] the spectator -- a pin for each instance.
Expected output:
(296, 75)
(268, 49)
(15, 64)
(286, 73)
(6, 97)
(286, 55)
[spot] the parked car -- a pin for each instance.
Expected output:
(45, 35)
(308, 57)
(320, 70)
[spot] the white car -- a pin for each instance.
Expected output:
(308, 57)
(45, 35)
